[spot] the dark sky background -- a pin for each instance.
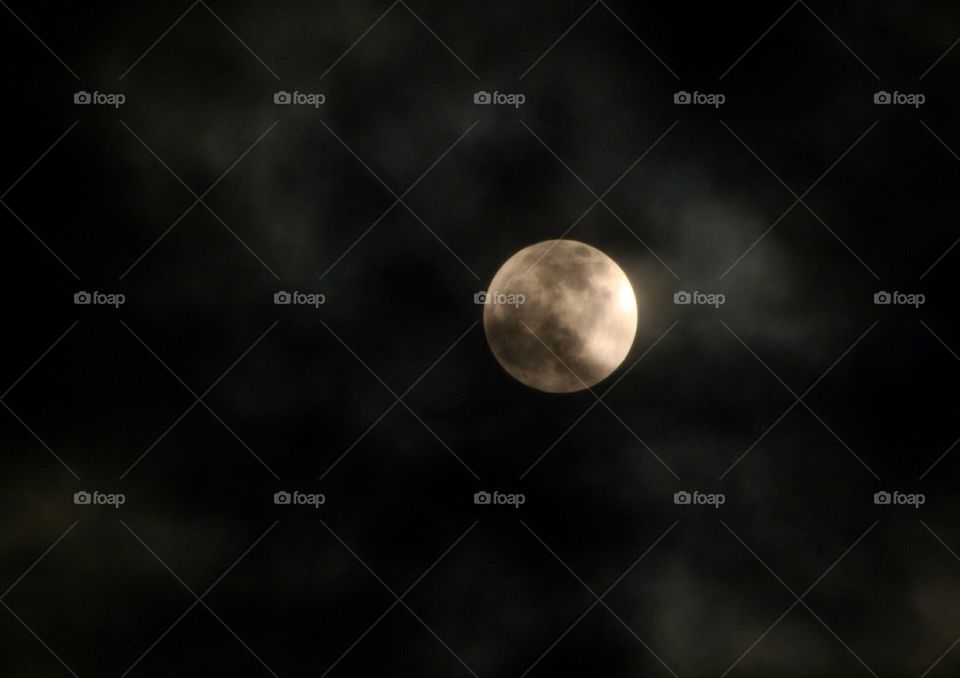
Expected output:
(291, 397)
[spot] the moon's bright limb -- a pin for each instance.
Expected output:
(560, 316)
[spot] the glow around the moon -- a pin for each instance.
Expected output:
(560, 316)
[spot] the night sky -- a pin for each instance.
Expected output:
(189, 191)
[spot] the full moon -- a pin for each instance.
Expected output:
(560, 316)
